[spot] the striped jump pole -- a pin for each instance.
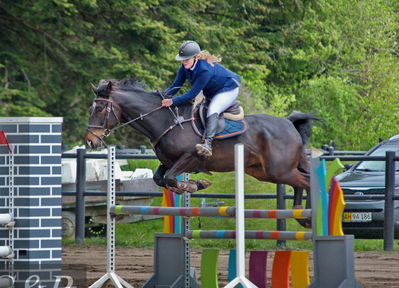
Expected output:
(249, 234)
(225, 211)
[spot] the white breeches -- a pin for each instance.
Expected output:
(220, 102)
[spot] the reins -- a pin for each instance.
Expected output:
(141, 117)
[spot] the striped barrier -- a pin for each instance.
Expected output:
(249, 234)
(224, 211)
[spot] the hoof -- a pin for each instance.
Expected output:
(202, 183)
(187, 186)
(175, 190)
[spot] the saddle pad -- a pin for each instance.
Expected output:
(231, 128)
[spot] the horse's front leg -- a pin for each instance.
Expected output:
(185, 163)
(159, 176)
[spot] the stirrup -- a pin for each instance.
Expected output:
(202, 149)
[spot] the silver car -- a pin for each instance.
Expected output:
(365, 218)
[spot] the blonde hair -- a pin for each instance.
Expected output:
(209, 57)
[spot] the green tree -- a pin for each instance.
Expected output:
(341, 62)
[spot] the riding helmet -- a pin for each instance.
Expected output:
(188, 50)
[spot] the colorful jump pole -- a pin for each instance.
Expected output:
(249, 234)
(224, 211)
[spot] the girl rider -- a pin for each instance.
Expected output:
(219, 85)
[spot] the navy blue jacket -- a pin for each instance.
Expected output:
(210, 79)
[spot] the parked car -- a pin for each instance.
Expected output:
(365, 218)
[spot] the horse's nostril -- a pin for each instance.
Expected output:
(89, 143)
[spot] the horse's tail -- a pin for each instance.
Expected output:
(303, 123)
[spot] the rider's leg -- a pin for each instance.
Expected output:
(210, 131)
(219, 103)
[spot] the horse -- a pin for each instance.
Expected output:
(274, 146)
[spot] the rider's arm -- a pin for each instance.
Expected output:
(179, 81)
(196, 88)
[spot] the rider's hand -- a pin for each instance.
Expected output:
(167, 102)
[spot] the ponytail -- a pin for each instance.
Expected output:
(209, 57)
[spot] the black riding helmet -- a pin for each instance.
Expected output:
(188, 50)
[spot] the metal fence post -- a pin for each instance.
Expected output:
(80, 199)
(389, 203)
(281, 223)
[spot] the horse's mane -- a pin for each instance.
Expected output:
(127, 84)
(124, 84)
(130, 84)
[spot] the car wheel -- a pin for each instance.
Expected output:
(68, 224)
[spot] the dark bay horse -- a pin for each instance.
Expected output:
(274, 147)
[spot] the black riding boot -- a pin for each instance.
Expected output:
(210, 131)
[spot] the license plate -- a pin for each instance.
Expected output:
(357, 217)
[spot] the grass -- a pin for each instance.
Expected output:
(141, 234)
(140, 163)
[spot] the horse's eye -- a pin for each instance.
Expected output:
(99, 109)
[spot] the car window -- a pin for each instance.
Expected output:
(380, 151)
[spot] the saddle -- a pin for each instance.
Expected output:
(234, 113)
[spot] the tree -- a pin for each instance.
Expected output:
(341, 62)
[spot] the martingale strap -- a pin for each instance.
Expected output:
(155, 142)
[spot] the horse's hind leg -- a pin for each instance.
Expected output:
(303, 169)
(298, 193)
(299, 181)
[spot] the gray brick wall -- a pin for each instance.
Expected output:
(37, 186)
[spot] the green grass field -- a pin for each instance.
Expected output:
(141, 234)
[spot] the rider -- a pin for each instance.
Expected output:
(219, 85)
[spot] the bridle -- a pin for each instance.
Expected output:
(109, 107)
(178, 120)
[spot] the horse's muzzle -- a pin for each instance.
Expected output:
(94, 138)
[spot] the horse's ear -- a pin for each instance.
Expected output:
(94, 88)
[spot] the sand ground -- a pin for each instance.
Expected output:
(373, 269)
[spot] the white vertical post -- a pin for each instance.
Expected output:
(240, 220)
(111, 220)
(111, 275)
(11, 223)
